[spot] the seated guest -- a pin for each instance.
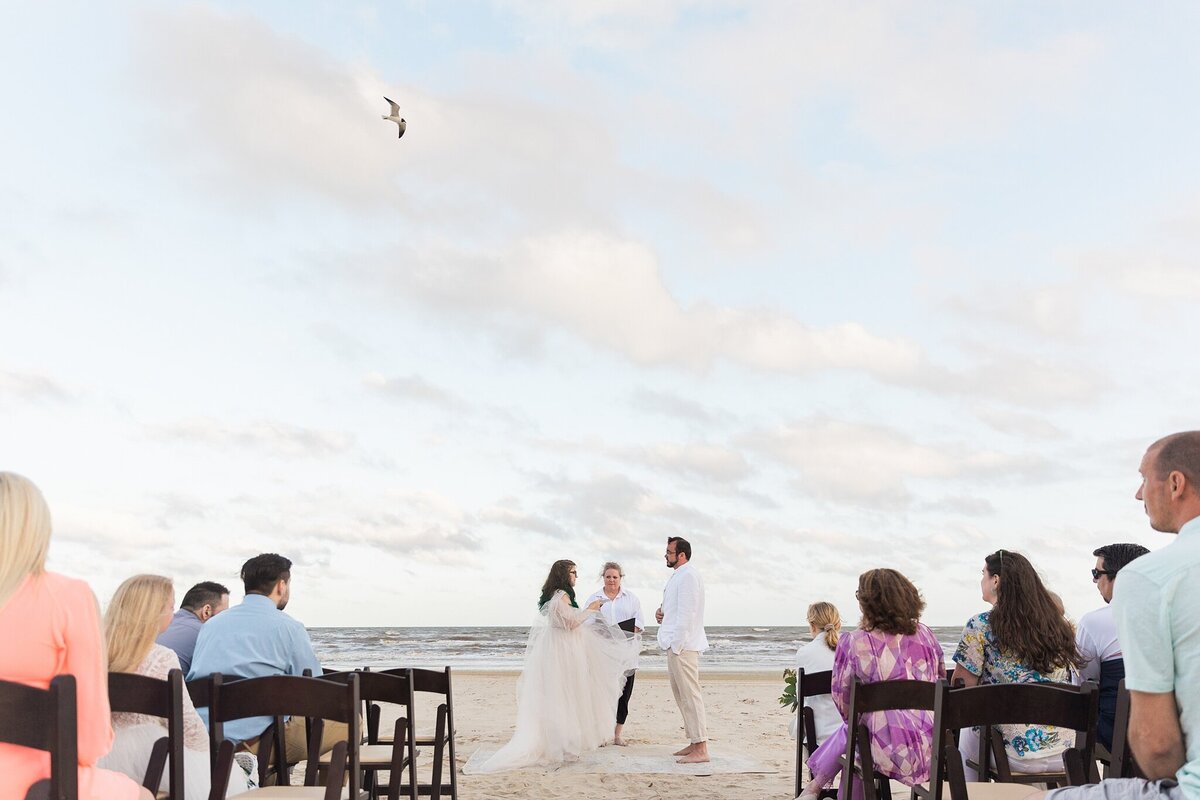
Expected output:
(49, 626)
(824, 625)
(139, 611)
(1157, 610)
(1023, 639)
(1096, 637)
(254, 639)
(201, 603)
(890, 644)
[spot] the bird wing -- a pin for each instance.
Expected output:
(395, 107)
(403, 126)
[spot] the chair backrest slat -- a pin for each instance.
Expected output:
(140, 694)
(1068, 707)
(44, 719)
(281, 695)
(1013, 703)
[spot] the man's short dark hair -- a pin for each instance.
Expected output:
(261, 573)
(1116, 556)
(681, 546)
(203, 594)
(1179, 452)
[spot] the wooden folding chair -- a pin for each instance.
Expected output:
(1002, 704)
(994, 757)
(1123, 764)
(200, 690)
(44, 719)
(395, 688)
(139, 694)
(869, 698)
(436, 682)
(808, 685)
(289, 695)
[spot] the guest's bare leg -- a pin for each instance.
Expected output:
(617, 740)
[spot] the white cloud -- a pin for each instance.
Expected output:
(31, 387)
(1160, 277)
(876, 467)
(708, 461)
(413, 388)
(611, 293)
(277, 439)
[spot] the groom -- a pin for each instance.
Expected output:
(681, 634)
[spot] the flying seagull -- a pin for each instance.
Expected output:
(395, 116)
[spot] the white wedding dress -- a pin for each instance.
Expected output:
(567, 694)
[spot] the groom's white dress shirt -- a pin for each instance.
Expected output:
(683, 612)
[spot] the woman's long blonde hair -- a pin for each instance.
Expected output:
(24, 532)
(134, 616)
(825, 617)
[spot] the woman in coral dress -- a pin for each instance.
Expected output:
(50, 626)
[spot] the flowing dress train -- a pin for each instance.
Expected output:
(569, 687)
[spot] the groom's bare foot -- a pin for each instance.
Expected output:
(687, 751)
(698, 754)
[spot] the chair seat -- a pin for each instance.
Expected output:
(1000, 791)
(1026, 777)
(369, 755)
(291, 793)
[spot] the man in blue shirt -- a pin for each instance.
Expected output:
(1156, 606)
(255, 639)
(201, 603)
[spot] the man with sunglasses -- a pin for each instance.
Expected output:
(1096, 636)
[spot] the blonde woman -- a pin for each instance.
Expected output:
(140, 610)
(825, 625)
(50, 626)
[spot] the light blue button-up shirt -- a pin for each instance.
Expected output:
(252, 640)
(1156, 605)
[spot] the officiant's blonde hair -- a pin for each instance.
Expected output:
(611, 565)
(825, 617)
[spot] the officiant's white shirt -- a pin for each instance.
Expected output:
(625, 605)
(683, 612)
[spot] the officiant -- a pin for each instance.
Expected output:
(620, 608)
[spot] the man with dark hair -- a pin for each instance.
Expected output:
(1096, 635)
(681, 634)
(1156, 606)
(201, 603)
(256, 638)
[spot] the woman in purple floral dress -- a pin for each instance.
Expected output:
(890, 644)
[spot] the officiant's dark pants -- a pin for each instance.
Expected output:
(623, 703)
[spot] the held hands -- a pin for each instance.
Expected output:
(595, 605)
(658, 615)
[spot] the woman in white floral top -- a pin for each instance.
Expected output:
(140, 610)
(1023, 639)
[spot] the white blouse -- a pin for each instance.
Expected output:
(817, 657)
(625, 605)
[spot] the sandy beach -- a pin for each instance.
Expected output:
(744, 716)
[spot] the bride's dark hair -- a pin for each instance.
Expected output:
(559, 578)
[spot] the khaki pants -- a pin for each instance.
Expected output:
(295, 743)
(683, 669)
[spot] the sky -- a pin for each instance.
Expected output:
(821, 287)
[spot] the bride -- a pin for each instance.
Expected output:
(574, 672)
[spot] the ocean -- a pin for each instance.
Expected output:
(731, 648)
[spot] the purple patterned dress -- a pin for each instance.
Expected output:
(900, 740)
